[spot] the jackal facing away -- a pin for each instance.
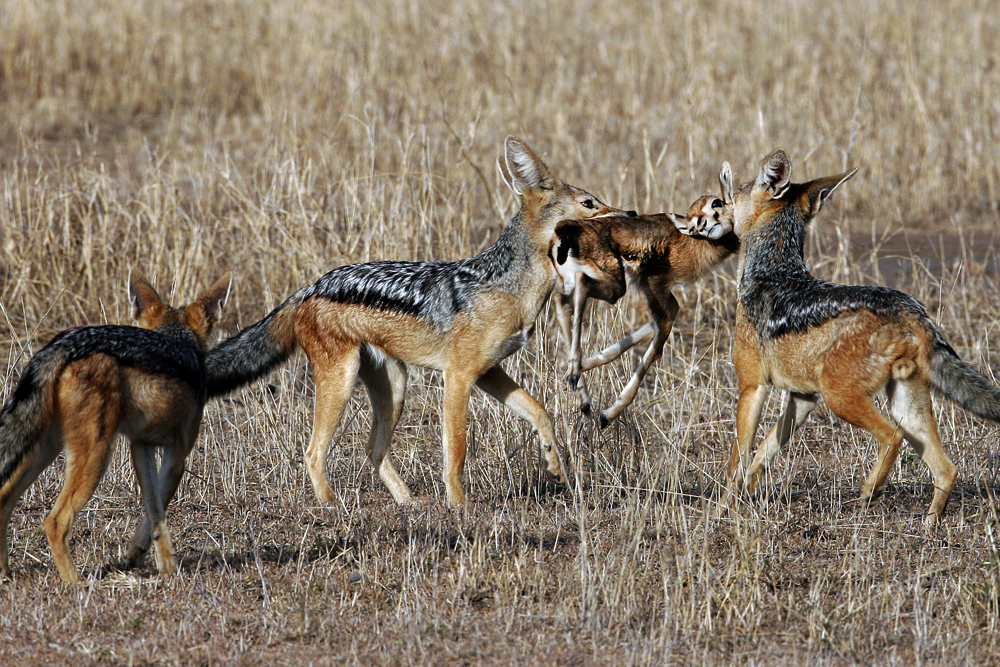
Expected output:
(463, 318)
(595, 259)
(846, 343)
(88, 385)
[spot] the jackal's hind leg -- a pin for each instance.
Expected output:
(153, 485)
(334, 373)
(15, 486)
(167, 479)
(386, 384)
(500, 386)
(856, 407)
(910, 405)
(87, 458)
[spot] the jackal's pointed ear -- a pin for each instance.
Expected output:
(526, 170)
(726, 181)
(203, 313)
(145, 300)
(214, 300)
(817, 192)
(504, 174)
(775, 173)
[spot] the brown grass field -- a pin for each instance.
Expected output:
(281, 138)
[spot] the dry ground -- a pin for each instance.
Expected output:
(281, 138)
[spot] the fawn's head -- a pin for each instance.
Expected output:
(199, 317)
(710, 216)
(772, 193)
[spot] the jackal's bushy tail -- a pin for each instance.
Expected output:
(250, 354)
(28, 411)
(959, 383)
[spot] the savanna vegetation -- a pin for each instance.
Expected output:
(281, 138)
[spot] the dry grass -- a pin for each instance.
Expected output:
(282, 138)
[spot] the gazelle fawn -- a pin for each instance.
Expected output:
(597, 259)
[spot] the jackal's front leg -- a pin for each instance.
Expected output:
(457, 388)
(502, 387)
(797, 408)
(748, 411)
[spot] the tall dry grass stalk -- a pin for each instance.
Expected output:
(282, 138)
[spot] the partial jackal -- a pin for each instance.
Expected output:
(846, 343)
(596, 259)
(88, 385)
(462, 318)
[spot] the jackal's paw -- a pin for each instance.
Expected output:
(555, 476)
(166, 565)
(870, 496)
(324, 494)
(556, 473)
(731, 495)
(931, 521)
(410, 501)
(136, 557)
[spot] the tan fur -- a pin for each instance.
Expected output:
(847, 360)
(655, 252)
(334, 335)
(93, 400)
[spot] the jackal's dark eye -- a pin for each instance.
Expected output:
(718, 203)
(588, 203)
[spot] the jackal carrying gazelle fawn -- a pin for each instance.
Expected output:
(88, 385)
(595, 259)
(846, 343)
(462, 318)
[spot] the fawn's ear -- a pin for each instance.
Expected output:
(817, 192)
(682, 223)
(214, 300)
(145, 300)
(526, 170)
(566, 241)
(775, 173)
(726, 181)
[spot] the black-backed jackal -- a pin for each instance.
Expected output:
(846, 343)
(463, 318)
(88, 385)
(595, 259)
